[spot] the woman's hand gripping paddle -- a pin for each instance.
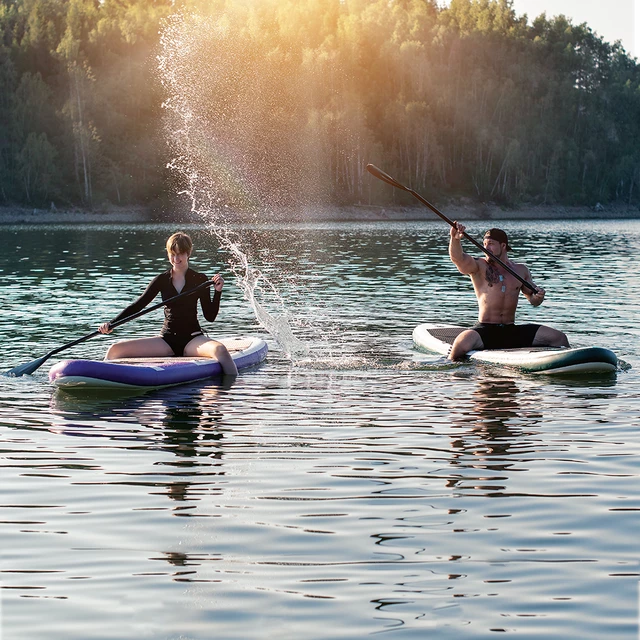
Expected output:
(30, 367)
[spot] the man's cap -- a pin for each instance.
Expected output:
(499, 235)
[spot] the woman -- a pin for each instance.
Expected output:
(181, 333)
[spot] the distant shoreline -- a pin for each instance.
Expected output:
(468, 211)
(22, 215)
(355, 213)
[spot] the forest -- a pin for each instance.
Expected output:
(465, 100)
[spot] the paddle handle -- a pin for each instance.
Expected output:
(385, 177)
(474, 241)
(30, 367)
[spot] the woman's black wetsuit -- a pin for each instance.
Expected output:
(181, 316)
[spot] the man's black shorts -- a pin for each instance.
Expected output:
(506, 336)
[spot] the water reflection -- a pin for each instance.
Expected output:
(490, 431)
(324, 483)
(585, 382)
(184, 421)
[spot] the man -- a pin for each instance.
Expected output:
(497, 292)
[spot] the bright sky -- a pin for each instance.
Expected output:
(611, 19)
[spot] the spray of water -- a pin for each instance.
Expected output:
(246, 151)
(237, 147)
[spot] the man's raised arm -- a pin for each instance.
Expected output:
(465, 263)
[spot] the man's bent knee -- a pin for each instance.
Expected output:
(466, 341)
(548, 337)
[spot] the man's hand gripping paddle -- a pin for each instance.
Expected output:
(385, 177)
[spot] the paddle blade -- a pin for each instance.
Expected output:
(26, 369)
(385, 177)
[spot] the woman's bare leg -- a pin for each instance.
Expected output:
(208, 348)
(141, 348)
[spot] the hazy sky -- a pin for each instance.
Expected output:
(611, 19)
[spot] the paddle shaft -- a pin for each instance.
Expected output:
(31, 367)
(385, 177)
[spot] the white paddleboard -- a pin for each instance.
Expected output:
(544, 360)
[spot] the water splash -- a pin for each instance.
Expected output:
(366, 363)
(236, 153)
(250, 280)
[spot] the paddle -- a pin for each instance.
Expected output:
(30, 367)
(385, 177)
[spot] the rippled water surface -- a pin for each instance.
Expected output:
(363, 489)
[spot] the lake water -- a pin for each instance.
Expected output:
(363, 489)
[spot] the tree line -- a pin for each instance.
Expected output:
(465, 100)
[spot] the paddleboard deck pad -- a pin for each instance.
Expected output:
(543, 360)
(153, 373)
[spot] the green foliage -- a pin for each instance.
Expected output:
(36, 168)
(464, 100)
